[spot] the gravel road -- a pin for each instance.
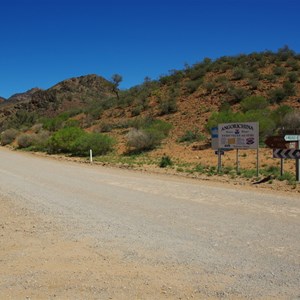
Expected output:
(157, 237)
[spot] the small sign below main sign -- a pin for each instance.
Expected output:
(219, 151)
(292, 137)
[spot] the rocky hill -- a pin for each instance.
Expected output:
(69, 94)
(2, 99)
(22, 97)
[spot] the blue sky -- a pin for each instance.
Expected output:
(46, 41)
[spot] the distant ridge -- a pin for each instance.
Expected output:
(67, 94)
(26, 96)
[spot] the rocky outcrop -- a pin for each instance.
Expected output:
(68, 94)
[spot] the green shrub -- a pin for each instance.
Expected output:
(238, 93)
(99, 143)
(191, 136)
(271, 78)
(159, 125)
(254, 84)
(290, 178)
(165, 162)
(277, 95)
(225, 106)
(53, 124)
(266, 124)
(105, 127)
(23, 118)
(278, 71)
(223, 117)
(8, 136)
(137, 110)
(200, 168)
(63, 140)
(278, 115)
(193, 85)
(293, 76)
(289, 88)
(253, 103)
(168, 106)
(238, 73)
(209, 86)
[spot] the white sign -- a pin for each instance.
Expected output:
(292, 137)
(239, 135)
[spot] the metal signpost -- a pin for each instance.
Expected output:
(215, 146)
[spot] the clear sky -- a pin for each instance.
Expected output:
(46, 41)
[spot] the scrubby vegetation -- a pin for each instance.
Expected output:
(178, 108)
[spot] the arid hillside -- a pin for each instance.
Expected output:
(170, 116)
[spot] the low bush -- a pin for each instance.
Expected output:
(25, 140)
(292, 76)
(279, 71)
(99, 143)
(62, 141)
(277, 95)
(289, 88)
(8, 136)
(167, 106)
(40, 141)
(238, 93)
(165, 162)
(292, 120)
(253, 103)
(191, 136)
(75, 141)
(140, 140)
(192, 85)
(238, 73)
(147, 135)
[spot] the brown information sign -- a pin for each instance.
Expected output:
(278, 142)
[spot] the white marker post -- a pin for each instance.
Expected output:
(91, 156)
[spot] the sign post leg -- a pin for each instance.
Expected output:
(298, 166)
(257, 162)
(281, 167)
(219, 160)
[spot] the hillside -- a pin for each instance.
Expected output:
(263, 87)
(69, 94)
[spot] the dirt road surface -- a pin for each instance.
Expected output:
(77, 231)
